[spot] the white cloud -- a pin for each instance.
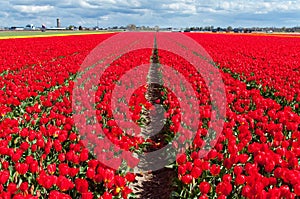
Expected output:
(130, 3)
(243, 6)
(151, 12)
(104, 18)
(32, 8)
(180, 8)
(87, 4)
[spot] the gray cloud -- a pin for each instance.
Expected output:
(179, 13)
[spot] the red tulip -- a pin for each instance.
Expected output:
(238, 170)
(63, 169)
(88, 195)
(187, 179)
(24, 186)
(297, 189)
(64, 184)
(203, 197)
(130, 177)
(22, 168)
(204, 187)
(12, 188)
(227, 178)
(81, 185)
(196, 172)
(51, 168)
(215, 170)
(106, 195)
(224, 188)
(181, 159)
(33, 167)
(240, 179)
(246, 191)
(4, 176)
(90, 173)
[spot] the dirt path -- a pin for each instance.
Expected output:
(155, 184)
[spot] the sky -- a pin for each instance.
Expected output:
(168, 13)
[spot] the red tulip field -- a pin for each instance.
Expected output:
(44, 153)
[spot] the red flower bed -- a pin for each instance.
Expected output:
(43, 156)
(270, 61)
(258, 143)
(18, 54)
(31, 66)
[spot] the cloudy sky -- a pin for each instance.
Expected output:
(175, 13)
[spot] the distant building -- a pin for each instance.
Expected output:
(58, 26)
(176, 30)
(43, 28)
(55, 28)
(16, 28)
(58, 23)
(29, 27)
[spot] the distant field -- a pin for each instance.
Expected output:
(29, 34)
(25, 34)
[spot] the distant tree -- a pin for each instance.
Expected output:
(71, 27)
(229, 28)
(80, 28)
(131, 27)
